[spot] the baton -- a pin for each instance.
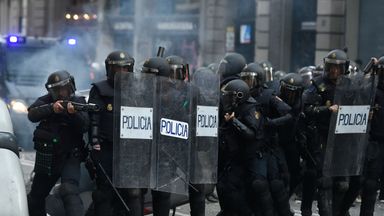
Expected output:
(113, 186)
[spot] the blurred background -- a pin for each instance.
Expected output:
(40, 36)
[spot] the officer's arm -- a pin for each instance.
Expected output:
(312, 101)
(40, 110)
(243, 129)
(94, 117)
(80, 118)
(283, 110)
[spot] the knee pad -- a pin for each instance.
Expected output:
(68, 189)
(260, 185)
(132, 192)
(341, 186)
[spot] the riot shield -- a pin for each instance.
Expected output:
(347, 136)
(133, 135)
(204, 145)
(172, 138)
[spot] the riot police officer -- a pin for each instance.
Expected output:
(161, 201)
(240, 137)
(374, 162)
(101, 137)
(307, 75)
(290, 135)
(278, 114)
(58, 140)
(179, 71)
(318, 106)
(230, 67)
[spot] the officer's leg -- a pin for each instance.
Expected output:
(325, 196)
(161, 202)
(261, 194)
(355, 183)
(292, 156)
(374, 165)
(41, 186)
(309, 190)
(103, 196)
(197, 199)
(133, 197)
(277, 185)
(69, 188)
(340, 188)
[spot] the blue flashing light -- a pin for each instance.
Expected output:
(13, 39)
(71, 41)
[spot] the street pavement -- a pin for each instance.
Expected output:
(27, 162)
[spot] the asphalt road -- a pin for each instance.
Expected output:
(27, 162)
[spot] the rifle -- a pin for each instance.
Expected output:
(89, 107)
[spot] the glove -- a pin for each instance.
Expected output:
(96, 156)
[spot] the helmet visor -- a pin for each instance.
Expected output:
(251, 78)
(334, 71)
(290, 94)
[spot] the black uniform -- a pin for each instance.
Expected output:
(106, 202)
(368, 183)
(58, 140)
(276, 114)
(237, 138)
(291, 136)
(317, 98)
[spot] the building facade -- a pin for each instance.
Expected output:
(289, 33)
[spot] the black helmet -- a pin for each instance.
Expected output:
(253, 75)
(291, 88)
(268, 70)
(234, 93)
(214, 67)
(177, 66)
(204, 77)
(279, 74)
(60, 85)
(380, 72)
(231, 65)
(336, 63)
(306, 74)
(118, 59)
(156, 65)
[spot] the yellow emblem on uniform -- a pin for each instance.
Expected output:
(122, 55)
(328, 103)
(257, 115)
(109, 107)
